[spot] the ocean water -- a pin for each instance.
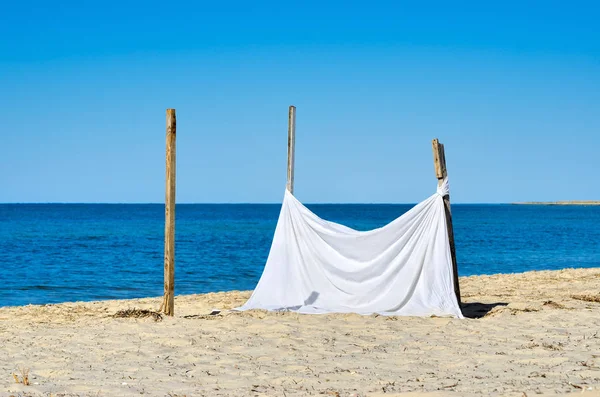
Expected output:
(80, 252)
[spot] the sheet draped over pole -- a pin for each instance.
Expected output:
(317, 266)
(406, 267)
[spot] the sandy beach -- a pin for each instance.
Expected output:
(528, 334)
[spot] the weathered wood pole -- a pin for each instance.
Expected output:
(291, 148)
(439, 161)
(168, 305)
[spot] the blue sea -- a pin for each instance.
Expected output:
(81, 252)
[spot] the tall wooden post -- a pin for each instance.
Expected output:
(168, 305)
(439, 161)
(291, 148)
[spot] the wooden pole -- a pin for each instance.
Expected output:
(291, 148)
(439, 162)
(168, 305)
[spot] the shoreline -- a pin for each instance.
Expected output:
(248, 292)
(525, 333)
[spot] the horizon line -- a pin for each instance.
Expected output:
(251, 203)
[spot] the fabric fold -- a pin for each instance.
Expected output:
(317, 266)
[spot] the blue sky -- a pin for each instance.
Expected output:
(511, 88)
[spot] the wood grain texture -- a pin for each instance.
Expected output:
(291, 148)
(168, 305)
(441, 172)
(439, 166)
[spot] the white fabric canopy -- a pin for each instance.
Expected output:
(317, 266)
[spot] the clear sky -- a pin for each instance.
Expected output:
(512, 88)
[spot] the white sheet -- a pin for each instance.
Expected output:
(316, 266)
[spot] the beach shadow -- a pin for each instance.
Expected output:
(312, 298)
(478, 310)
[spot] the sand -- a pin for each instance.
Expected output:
(530, 337)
